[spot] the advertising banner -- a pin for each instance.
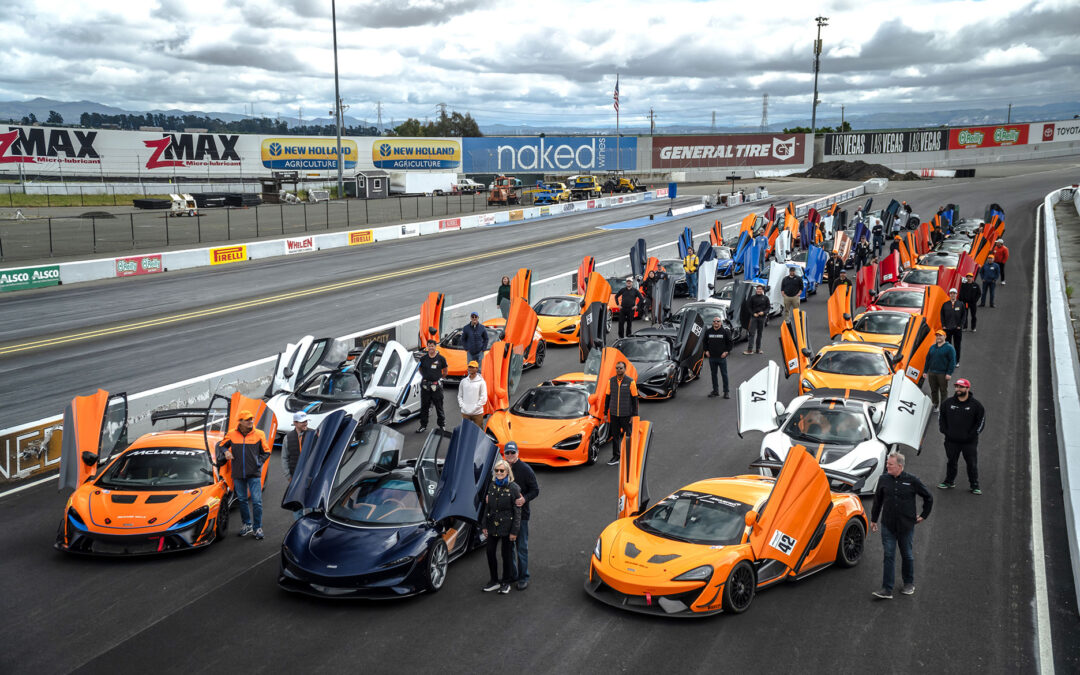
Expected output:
(552, 154)
(29, 277)
(395, 154)
(301, 245)
(141, 264)
(886, 142)
(683, 152)
(487, 219)
(517, 215)
(1054, 132)
(30, 449)
(357, 237)
(298, 153)
(988, 137)
(450, 224)
(228, 254)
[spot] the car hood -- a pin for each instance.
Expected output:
(128, 511)
(667, 330)
(332, 549)
(284, 405)
(541, 432)
(838, 456)
(650, 369)
(650, 558)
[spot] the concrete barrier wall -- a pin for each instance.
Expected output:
(1065, 371)
(946, 159)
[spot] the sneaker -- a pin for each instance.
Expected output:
(613, 461)
(972, 330)
(883, 594)
(523, 584)
(908, 589)
(727, 395)
(1002, 283)
(976, 491)
(245, 531)
(713, 394)
(946, 486)
(504, 589)
(259, 533)
(442, 427)
(421, 430)
(492, 586)
(748, 352)
(934, 409)
(759, 352)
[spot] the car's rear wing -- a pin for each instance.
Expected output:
(848, 482)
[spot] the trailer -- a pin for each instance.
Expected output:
(416, 183)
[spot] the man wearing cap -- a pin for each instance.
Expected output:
(791, 288)
(621, 407)
(990, 274)
(690, 265)
(474, 338)
(1001, 256)
(940, 364)
(718, 344)
(953, 317)
(961, 421)
(969, 294)
(246, 449)
(525, 477)
(472, 395)
(432, 369)
(295, 442)
(627, 298)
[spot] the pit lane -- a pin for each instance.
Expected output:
(972, 610)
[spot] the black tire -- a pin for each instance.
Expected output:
(222, 528)
(438, 559)
(594, 448)
(675, 384)
(541, 352)
(739, 588)
(852, 543)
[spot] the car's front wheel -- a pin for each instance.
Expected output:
(852, 543)
(739, 589)
(223, 516)
(594, 447)
(541, 352)
(437, 562)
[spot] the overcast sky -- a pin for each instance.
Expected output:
(548, 63)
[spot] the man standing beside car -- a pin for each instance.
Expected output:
(433, 368)
(621, 407)
(246, 450)
(690, 266)
(894, 504)
(627, 298)
(718, 343)
(961, 421)
(474, 339)
(525, 477)
(301, 438)
(759, 312)
(953, 317)
(472, 395)
(791, 288)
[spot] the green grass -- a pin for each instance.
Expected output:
(16, 200)
(1069, 292)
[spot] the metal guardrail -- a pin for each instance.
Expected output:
(1065, 372)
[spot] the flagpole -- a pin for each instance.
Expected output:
(618, 136)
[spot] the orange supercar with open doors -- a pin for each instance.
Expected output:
(160, 494)
(710, 546)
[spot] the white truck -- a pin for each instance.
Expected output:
(422, 183)
(468, 186)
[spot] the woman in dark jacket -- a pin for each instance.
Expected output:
(503, 298)
(502, 521)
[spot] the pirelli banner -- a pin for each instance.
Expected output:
(731, 151)
(886, 142)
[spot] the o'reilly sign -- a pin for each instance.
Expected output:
(548, 155)
(29, 277)
(886, 142)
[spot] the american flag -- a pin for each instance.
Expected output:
(616, 93)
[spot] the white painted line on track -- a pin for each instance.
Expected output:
(28, 486)
(1044, 650)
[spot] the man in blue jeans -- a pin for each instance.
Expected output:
(894, 503)
(245, 449)
(474, 339)
(530, 490)
(990, 274)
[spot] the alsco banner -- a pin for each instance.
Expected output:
(988, 137)
(29, 277)
(552, 154)
(415, 153)
(682, 152)
(228, 254)
(301, 153)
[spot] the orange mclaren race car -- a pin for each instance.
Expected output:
(162, 493)
(905, 299)
(883, 327)
(853, 365)
(560, 423)
(558, 318)
(710, 546)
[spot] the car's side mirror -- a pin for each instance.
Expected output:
(807, 353)
(89, 458)
(750, 518)
(778, 407)
(288, 372)
(847, 316)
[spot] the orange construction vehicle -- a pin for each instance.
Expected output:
(503, 191)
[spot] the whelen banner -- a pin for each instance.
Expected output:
(886, 142)
(988, 137)
(679, 152)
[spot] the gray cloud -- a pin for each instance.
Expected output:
(406, 13)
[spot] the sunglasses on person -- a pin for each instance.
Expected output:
(500, 470)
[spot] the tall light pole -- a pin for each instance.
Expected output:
(821, 21)
(337, 105)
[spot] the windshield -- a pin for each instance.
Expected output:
(724, 292)
(453, 340)
(922, 277)
(379, 499)
(336, 386)
(558, 307)
(159, 469)
(940, 258)
(644, 350)
(852, 363)
(673, 267)
(706, 310)
(721, 252)
(828, 425)
(553, 401)
(884, 323)
(697, 518)
(901, 299)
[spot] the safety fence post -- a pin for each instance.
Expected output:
(48, 199)
(113, 190)
(328, 214)
(50, 239)
(366, 221)
(256, 222)
(228, 224)
(400, 208)
(198, 225)
(281, 214)
(348, 222)
(93, 235)
(82, 197)
(305, 217)
(131, 218)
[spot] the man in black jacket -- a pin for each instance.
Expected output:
(953, 318)
(718, 344)
(621, 406)
(894, 503)
(791, 288)
(969, 295)
(832, 270)
(627, 298)
(295, 442)
(759, 312)
(525, 477)
(961, 421)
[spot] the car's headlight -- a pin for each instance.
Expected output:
(884, 390)
(191, 518)
(806, 384)
(568, 330)
(659, 380)
(399, 561)
(76, 519)
(569, 444)
(596, 549)
(697, 574)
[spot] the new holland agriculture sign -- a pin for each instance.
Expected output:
(548, 155)
(300, 153)
(415, 153)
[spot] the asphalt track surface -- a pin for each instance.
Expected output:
(972, 612)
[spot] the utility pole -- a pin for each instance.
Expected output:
(1009, 118)
(442, 110)
(300, 117)
(764, 113)
(714, 120)
(337, 105)
(652, 122)
(378, 109)
(821, 22)
(841, 117)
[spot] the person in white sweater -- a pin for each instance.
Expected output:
(472, 395)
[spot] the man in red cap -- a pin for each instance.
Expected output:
(961, 421)
(246, 449)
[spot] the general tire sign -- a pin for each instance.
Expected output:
(678, 152)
